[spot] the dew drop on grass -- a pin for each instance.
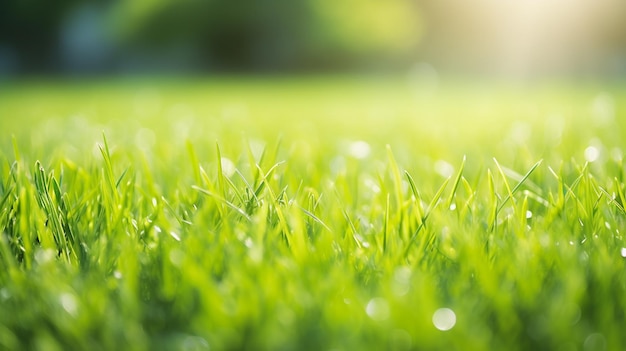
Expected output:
(175, 236)
(401, 283)
(372, 185)
(68, 302)
(4, 294)
(592, 153)
(444, 319)
(603, 109)
(117, 275)
(529, 215)
(595, 342)
(616, 154)
(623, 252)
(145, 138)
(176, 257)
(359, 149)
(444, 169)
(195, 343)
(43, 256)
(452, 206)
(228, 167)
(377, 309)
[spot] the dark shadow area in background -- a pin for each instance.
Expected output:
(484, 38)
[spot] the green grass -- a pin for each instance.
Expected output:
(312, 213)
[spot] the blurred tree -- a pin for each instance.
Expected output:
(271, 34)
(29, 28)
(208, 34)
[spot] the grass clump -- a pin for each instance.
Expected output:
(374, 220)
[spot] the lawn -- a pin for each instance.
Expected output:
(321, 213)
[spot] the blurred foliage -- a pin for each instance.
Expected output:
(238, 34)
(30, 28)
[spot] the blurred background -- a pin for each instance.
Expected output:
(517, 39)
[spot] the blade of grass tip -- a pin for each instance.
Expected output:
(216, 197)
(518, 177)
(519, 184)
(416, 194)
(220, 174)
(570, 188)
(5, 198)
(386, 225)
(235, 189)
(355, 233)
(16, 150)
(507, 186)
(431, 206)
(119, 180)
(619, 190)
(281, 217)
(470, 192)
(252, 200)
(108, 167)
(494, 199)
(193, 158)
(457, 180)
(252, 163)
(264, 177)
(315, 218)
(397, 180)
(611, 199)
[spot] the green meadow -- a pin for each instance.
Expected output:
(311, 213)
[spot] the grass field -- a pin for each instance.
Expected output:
(333, 213)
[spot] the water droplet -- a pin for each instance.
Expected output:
(372, 185)
(603, 109)
(529, 214)
(248, 242)
(117, 275)
(43, 256)
(68, 302)
(520, 132)
(377, 309)
(452, 206)
(175, 236)
(228, 167)
(4, 294)
(145, 138)
(623, 252)
(401, 283)
(616, 154)
(444, 169)
(595, 342)
(592, 153)
(176, 257)
(444, 319)
(359, 149)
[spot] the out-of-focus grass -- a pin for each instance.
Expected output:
(310, 213)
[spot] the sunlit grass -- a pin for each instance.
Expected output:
(313, 213)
